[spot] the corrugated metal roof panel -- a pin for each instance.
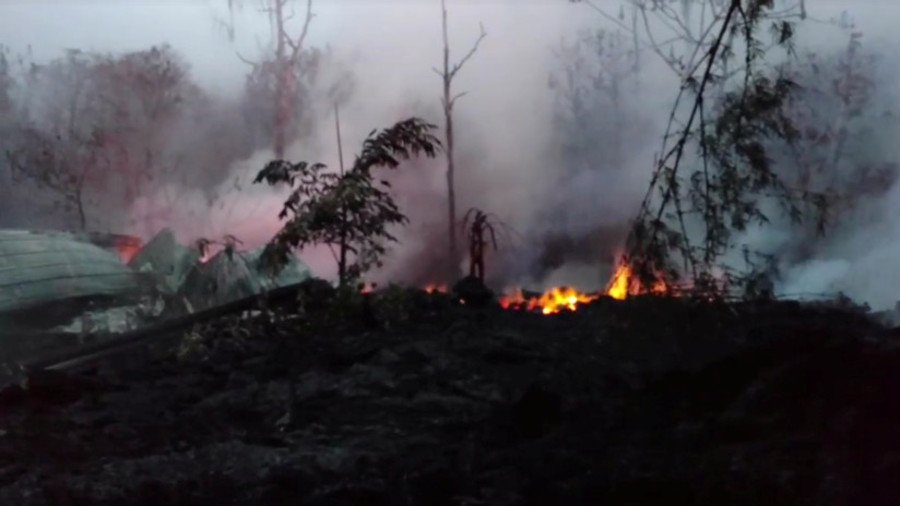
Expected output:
(44, 267)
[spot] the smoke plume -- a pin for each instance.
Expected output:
(556, 134)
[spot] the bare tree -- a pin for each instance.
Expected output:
(447, 73)
(284, 66)
(692, 219)
(286, 61)
(662, 27)
(100, 132)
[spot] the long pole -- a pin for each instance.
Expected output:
(342, 262)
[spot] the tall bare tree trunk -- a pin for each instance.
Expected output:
(447, 100)
(448, 148)
(283, 69)
(285, 65)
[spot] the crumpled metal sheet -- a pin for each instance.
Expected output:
(166, 260)
(229, 276)
(39, 268)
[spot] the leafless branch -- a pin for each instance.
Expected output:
(291, 14)
(297, 47)
(607, 15)
(458, 66)
(458, 95)
(245, 60)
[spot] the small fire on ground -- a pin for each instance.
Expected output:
(552, 301)
(555, 300)
(623, 284)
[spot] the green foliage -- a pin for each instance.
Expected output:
(695, 206)
(351, 211)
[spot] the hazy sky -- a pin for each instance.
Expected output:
(401, 26)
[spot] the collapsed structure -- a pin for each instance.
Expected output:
(81, 284)
(56, 275)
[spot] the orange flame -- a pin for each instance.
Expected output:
(127, 250)
(513, 300)
(552, 301)
(618, 285)
(367, 288)
(434, 288)
(623, 284)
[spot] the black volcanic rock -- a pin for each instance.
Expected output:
(537, 412)
(646, 402)
(473, 292)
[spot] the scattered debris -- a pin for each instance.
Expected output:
(113, 320)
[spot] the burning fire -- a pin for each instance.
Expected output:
(430, 289)
(127, 249)
(623, 284)
(618, 285)
(552, 301)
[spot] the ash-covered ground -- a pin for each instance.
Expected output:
(404, 398)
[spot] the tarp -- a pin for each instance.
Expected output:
(39, 268)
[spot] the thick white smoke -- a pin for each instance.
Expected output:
(509, 153)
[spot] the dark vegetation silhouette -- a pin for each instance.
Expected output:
(484, 232)
(717, 174)
(351, 211)
(481, 235)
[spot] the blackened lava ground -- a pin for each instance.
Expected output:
(413, 401)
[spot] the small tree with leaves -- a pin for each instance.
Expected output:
(352, 212)
(695, 205)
